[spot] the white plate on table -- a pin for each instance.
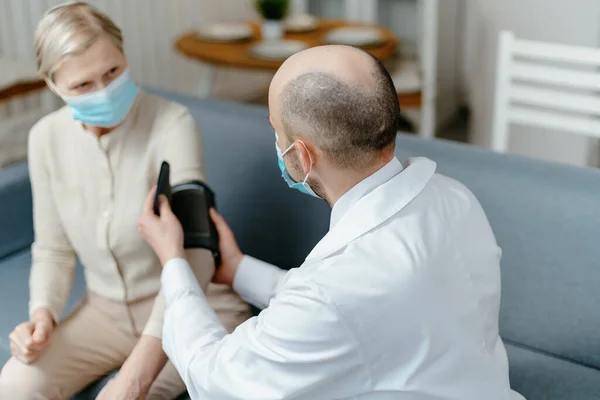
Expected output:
(277, 49)
(355, 36)
(301, 23)
(226, 32)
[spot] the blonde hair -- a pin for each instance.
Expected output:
(69, 29)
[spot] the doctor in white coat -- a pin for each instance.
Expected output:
(399, 301)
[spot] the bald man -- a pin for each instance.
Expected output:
(399, 301)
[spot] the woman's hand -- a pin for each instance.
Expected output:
(231, 255)
(30, 339)
(164, 234)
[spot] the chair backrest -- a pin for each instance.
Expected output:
(551, 86)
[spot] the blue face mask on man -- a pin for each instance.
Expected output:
(107, 107)
(303, 186)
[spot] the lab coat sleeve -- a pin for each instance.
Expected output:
(256, 281)
(299, 347)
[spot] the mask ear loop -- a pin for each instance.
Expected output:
(53, 87)
(309, 157)
(311, 161)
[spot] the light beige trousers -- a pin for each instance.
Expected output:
(95, 340)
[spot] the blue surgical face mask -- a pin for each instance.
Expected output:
(107, 107)
(303, 186)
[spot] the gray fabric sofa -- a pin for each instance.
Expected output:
(546, 218)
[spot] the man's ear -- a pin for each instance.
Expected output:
(306, 155)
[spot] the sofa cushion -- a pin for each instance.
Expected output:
(541, 376)
(16, 224)
(14, 295)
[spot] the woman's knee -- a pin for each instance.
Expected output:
(19, 381)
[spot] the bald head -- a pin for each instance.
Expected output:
(347, 63)
(341, 98)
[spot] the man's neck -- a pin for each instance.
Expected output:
(343, 180)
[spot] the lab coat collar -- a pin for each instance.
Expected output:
(376, 207)
(361, 189)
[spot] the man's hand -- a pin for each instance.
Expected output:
(30, 339)
(164, 234)
(231, 256)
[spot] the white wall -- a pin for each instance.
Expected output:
(562, 21)
(327, 8)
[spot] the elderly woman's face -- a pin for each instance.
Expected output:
(90, 71)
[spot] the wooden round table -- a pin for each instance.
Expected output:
(237, 54)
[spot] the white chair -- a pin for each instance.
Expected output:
(545, 85)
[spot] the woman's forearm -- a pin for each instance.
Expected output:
(144, 363)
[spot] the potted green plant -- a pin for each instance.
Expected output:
(273, 12)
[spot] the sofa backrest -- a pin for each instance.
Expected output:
(546, 218)
(16, 224)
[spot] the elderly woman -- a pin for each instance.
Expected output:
(92, 164)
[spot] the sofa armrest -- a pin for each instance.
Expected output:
(16, 219)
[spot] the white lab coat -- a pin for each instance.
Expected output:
(399, 301)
